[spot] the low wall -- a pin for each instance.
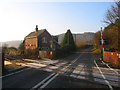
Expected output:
(112, 57)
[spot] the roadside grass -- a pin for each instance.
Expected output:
(96, 51)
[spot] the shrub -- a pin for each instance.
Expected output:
(11, 51)
(31, 53)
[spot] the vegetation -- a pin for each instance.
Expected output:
(111, 32)
(21, 48)
(68, 42)
(20, 52)
(68, 45)
(31, 54)
(11, 51)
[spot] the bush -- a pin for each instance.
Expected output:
(62, 52)
(11, 51)
(31, 53)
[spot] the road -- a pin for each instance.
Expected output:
(82, 69)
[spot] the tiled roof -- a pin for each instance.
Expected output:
(35, 34)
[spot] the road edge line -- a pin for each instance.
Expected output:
(13, 73)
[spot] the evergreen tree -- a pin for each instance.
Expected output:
(68, 41)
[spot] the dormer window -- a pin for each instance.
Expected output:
(44, 40)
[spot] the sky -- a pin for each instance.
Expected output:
(19, 18)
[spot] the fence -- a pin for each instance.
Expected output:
(111, 57)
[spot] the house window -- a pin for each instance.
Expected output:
(44, 40)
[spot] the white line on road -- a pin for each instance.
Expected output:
(42, 82)
(52, 77)
(103, 76)
(44, 85)
(110, 68)
(14, 73)
(76, 58)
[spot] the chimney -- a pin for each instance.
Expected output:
(36, 29)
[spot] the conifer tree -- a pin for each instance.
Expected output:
(68, 41)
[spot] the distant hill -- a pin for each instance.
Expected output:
(15, 43)
(85, 37)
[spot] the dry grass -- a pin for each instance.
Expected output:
(96, 51)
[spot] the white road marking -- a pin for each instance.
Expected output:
(36, 64)
(53, 67)
(110, 68)
(32, 66)
(44, 85)
(81, 77)
(54, 76)
(103, 76)
(49, 70)
(14, 73)
(42, 82)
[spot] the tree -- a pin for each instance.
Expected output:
(96, 39)
(112, 14)
(110, 35)
(21, 48)
(68, 41)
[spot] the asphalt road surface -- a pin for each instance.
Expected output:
(82, 69)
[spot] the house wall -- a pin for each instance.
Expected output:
(36, 42)
(31, 43)
(44, 45)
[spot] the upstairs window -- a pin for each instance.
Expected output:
(44, 40)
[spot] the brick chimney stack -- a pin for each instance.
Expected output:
(36, 29)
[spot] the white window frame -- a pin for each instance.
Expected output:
(44, 40)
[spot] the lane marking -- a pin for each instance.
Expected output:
(14, 73)
(44, 85)
(110, 67)
(42, 82)
(77, 58)
(53, 76)
(103, 76)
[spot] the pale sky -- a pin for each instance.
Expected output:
(17, 19)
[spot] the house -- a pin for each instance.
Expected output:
(42, 40)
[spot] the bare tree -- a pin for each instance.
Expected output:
(112, 14)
